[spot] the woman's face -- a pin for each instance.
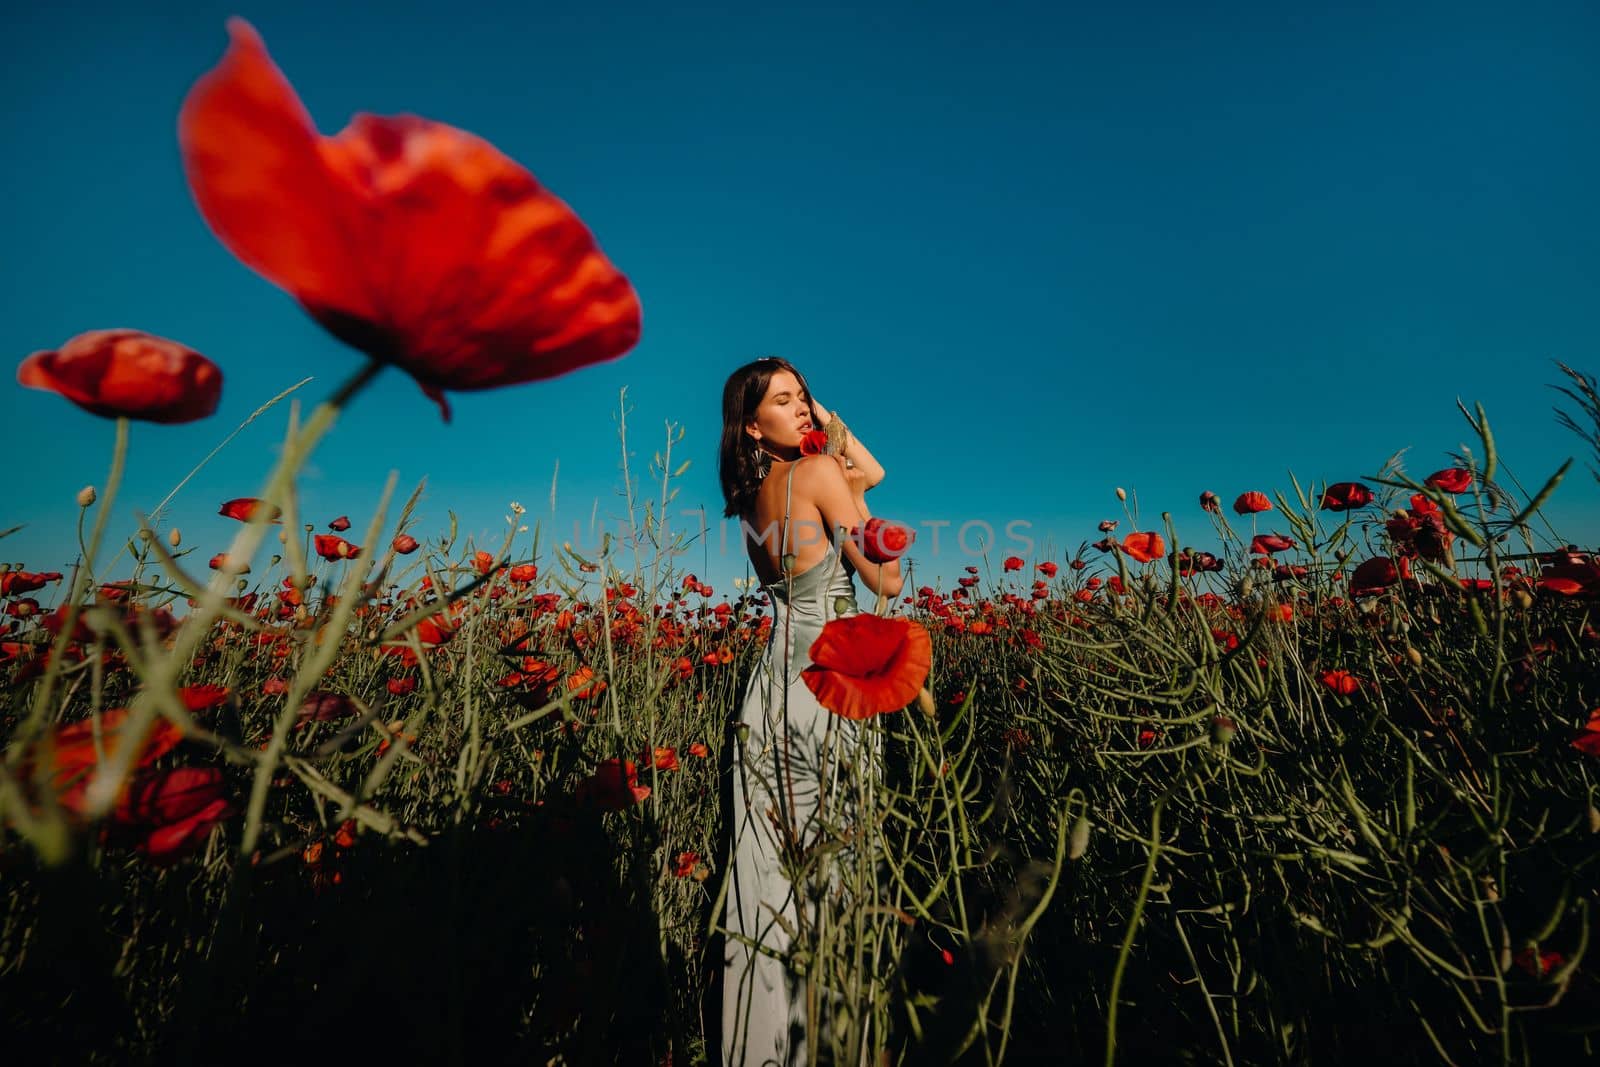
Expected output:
(783, 416)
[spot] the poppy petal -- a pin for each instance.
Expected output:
(251, 155)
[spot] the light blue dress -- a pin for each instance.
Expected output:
(775, 779)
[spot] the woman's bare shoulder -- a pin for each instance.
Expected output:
(817, 470)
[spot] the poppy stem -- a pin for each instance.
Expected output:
(358, 382)
(83, 578)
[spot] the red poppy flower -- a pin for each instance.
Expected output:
(334, 547)
(1342, 496)
(128, 374)
(614, 785)
(203, 697)
(13, 582)
(415, 242)
(1538, 963)
(322, 706)
(1251, 502)
(71, 752)
(1375, 575)
(1144, 547)
(401, 686)
(665, 759)
(582, 684)
(1266, 544)
(1422, 504)
(523, 573)
(699, 749)
(814, 443)
(340, 525)
(683, 866)
(173, 810)
(1013, 563)
(1047, 569)
(246, 508)
(1451, 480)
(222, 562)
(866, 665)
(1588, 741)
(405, 544)
(882, 541)
(1342, 682)
(1571, 579)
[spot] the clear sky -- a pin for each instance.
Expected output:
(1031, 252)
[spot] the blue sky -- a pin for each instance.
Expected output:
(1032, 252)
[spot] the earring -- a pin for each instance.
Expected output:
(763, 459)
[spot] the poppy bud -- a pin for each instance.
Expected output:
(1222, 729)
(175, 538)
(925, 702)
(1122, 494)
(86, 496)
(1078, 844)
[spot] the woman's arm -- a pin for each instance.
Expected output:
(837, 493)
(854, 450)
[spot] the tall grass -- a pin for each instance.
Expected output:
(1136, 825)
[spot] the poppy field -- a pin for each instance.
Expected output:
(1321, 794)
(1324, 789)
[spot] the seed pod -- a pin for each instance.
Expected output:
(1594, 819)
(1078, 843)
(1414, 656)
(1522, 599)
(1222, 729)
(86, 496)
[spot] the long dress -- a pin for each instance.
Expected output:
(775, 783)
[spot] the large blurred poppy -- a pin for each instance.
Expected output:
(13, 582)
(71, 754)
(415, 242)
(866, 665)
(171, 811)
(128, 374)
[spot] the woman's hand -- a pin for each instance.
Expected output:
(854, 477)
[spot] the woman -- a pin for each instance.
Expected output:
(791, 507)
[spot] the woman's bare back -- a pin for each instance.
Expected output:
(807, 535)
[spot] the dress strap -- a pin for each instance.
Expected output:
(786, 559)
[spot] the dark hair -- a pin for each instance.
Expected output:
(741, 474)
